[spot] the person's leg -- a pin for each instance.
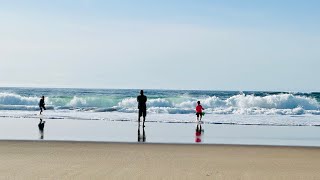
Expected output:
(139, 115)
(143, 135)
(139, 119)
(40, 110)
(144, 119)
(200, 116)
(139, 134)
(144, 116)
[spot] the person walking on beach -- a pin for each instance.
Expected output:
(142, 99)
(41, 104)
(199, 109)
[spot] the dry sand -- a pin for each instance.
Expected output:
(87, 160)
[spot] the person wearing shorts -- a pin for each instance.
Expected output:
(142, 99)
(199, 109)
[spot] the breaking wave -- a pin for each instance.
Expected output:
(278, 104)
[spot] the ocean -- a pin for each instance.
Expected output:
(110, 115)
(165, 106)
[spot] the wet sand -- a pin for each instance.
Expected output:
(98, 160)
(127, 131)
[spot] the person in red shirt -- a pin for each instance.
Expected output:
(199, 109)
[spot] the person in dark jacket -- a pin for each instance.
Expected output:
(41, 104)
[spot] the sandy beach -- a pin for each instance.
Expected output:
(93, 160)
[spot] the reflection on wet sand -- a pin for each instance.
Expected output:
(141, 138)
(198, 133)
(41, 128)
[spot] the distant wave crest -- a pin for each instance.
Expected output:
(15, 99)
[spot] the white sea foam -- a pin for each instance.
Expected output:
(281, 101)
(77, 102)
(265, 120)
(159, 103)
(128, 103)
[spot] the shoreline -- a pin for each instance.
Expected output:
(99, 160)
(158, 143)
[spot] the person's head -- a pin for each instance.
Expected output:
(198, 102)
(141, 92)
(42, 97)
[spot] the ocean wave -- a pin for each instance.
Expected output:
(132, 102)
(15, 99)
(281, 101)
(276, 104)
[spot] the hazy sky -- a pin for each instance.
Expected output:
(165, 44)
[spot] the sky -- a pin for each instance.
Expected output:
(161, 44)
